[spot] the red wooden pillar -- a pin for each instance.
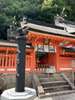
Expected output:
(57, 59)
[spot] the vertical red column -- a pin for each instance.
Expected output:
(34, 60)
(57, 59)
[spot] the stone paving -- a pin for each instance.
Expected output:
(63, 97)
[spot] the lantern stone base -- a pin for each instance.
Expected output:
(11, 94)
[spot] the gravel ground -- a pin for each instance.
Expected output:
(63, 97)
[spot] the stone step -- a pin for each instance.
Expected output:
(56, 93)
(49, 78)
(54, 87)
(53, 82)
(57, 89)
(53, 77)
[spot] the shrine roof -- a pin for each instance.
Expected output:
(47, 30)
(8, 44)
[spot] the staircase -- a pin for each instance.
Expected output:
(53, 85)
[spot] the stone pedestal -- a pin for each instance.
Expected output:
(11, 94)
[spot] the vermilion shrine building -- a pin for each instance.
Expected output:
(46, 48)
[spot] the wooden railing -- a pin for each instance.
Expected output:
(41, 67)
(45, 68)
(8, 58)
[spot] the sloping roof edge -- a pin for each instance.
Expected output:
(46, 29)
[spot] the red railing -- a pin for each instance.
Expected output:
(8, 59)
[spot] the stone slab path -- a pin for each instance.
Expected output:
(63, 97)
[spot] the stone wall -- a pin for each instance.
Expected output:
(9, 80)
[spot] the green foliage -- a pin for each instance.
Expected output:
(43, 10)
(47, 4)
